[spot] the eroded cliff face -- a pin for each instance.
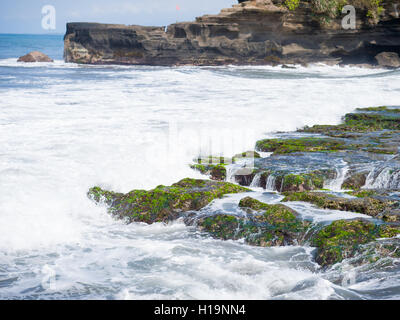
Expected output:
(253, 32)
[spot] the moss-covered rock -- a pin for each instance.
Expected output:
(163, 203)
(266, 225)
(372, 122)
(215, 171)
(390, 215)
(343, 239)
(379, 109)
(282, 146)
(302, 182)
(366, 120)
(224, 227)
(251, 203)
(362, 193)
(367, 205)
(355, 181)
(247, 154)
(284, 181)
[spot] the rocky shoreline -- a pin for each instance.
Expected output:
(352, 167)
(258, 32)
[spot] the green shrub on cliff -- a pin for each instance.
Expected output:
(292, 4)
(325, 10)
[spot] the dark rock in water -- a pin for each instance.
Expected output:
(163, 204)
(355, 181)
(368, 205)
(390, 215)
(388, 59)
(35, 56)
(265, 225)
(343, 239)
(262, 32)
(284, 66)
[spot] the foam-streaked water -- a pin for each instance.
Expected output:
(65, 128)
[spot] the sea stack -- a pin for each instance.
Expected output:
(35, 56)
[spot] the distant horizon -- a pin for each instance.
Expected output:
(26, 17)
(32, 34)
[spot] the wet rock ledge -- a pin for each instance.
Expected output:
(261, 32)
(318, 165)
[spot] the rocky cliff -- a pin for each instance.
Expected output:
(252, 32)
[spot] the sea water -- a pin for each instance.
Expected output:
(67, 127)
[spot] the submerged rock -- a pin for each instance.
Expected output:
(388, 59)
(35, 56)
(163, 203)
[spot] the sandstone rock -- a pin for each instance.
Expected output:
(35, 56)
(262, 32)
(388, 59)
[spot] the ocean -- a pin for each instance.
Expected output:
(66, 127)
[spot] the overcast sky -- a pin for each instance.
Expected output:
(25, 16)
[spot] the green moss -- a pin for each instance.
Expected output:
(253, 204)
(99, 195)
(362, 193)
(344, 238)
(221, 226)
(371, 122)
(363, 121)
(282, 146)
(265, 225)
(292, 4)
(216, 172)
(164, 203)
(305, 181)
(247, 154)
(341, 240)
(388, 231)
(275, 219)
(369, 206)
(380, 109)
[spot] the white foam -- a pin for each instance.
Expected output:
(74, 126)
